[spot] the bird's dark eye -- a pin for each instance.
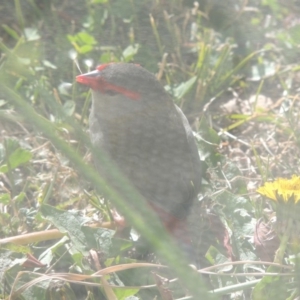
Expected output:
(111, 92)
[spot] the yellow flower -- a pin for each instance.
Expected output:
(286, 196)
(286, 190)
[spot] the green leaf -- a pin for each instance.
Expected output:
(19, 198)
(130, 52)
(48, 64)
(85, 49)
(182, 89)
(295, 33)
(8, 260)
(11, 32)
(99, 1)
(271, 287)
(82, 41)
(214, 256)
(69, 108)
(86, 38)
(17, 158)
(105, 57)
(31, 34)
(5, 198)
(2, 102)
(124, 294)
(83, 237)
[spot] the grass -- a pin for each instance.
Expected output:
(241, 97)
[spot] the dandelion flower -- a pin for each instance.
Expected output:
(282, 189)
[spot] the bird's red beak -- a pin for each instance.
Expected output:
(93, 79)
(90, 79)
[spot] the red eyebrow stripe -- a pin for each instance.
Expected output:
(105, 86)
(102, 67)
(108, 86)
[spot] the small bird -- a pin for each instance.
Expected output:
(134, 120)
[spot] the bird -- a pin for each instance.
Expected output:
(134, 120)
